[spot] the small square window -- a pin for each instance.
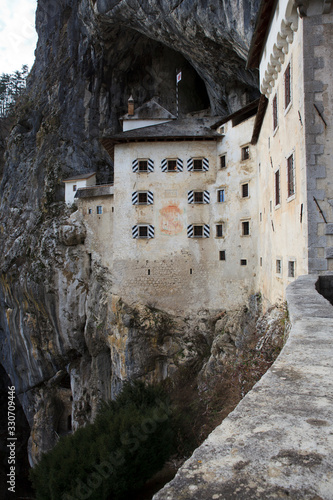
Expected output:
(291, 268)
(99, 209)
(89, 211)
(143, 198)
(219, 230)
(243, 262)
(221, 195)
(197, 164)
(246, 228)
(222, 254)
(278, 265)
(198, 197)
(143, 231)
(245, 153)
(245, 190)
(74, 187)
(223, 162)
(172, 165)
(198, 231)
(143, 165)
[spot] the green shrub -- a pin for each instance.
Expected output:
(129, 441)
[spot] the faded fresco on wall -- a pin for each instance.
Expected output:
(171, 220)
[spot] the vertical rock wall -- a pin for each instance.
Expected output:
(57, 314)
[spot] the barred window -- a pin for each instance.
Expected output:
(245, 190)
(221, 195)
(291, 175)
(275, 112)
(223, 162)
(245, 152)
(277, 188)
(246, 228)
(278, 265)
(287, 87)
(291, 269)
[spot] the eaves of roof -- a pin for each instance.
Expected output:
(265, 13)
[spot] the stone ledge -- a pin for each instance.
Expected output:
(278, 442)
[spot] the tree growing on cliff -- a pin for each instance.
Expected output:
(11, 87)
(129, 441)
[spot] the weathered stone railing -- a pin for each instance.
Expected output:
(278, 442)
(92, 191)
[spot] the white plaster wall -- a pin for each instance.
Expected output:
(284, 21)
(236, 208)
(171, 270)
(99, 238)
(80, 183)
(288, 240)
(134, 124)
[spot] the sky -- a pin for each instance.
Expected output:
(17, 34)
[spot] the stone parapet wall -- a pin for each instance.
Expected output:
(278, 442)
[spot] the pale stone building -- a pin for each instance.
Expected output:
(184, 202)
(205, 211)
(292, 47)
(72, 184)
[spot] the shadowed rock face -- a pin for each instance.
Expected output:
(56, 311)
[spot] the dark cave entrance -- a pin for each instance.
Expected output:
(136, 65)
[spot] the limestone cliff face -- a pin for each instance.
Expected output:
(66, 341)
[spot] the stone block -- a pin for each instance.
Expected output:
(319, 63)
(329, 253)
(313, 86)
(319, 171)
(329, 229)
(316, 149)
(317, 265)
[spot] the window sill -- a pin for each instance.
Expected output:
(277, 206)
(275, 130)
(291, 197)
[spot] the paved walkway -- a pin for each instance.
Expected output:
(278, 442)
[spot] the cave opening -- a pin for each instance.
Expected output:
(136, 65)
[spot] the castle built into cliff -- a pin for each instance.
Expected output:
(208, 210)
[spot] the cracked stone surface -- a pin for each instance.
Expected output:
(57, 312)
(278, 442)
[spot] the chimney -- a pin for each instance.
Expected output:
(130, 103)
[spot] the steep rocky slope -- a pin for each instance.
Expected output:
(58, 317)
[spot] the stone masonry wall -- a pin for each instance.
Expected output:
(318, 101)
(278, 441)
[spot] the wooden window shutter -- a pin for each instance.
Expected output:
(135, 165)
